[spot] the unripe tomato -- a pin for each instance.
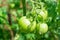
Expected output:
(33, 26)
(43, 28)
(42, 14)
(24, 23)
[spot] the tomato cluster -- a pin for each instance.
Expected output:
(37, 23)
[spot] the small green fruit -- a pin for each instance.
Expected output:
(33, 26)
(43, 28)
(24, 23)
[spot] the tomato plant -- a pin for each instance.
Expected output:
(29, 20)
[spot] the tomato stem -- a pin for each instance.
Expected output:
(24, 7)
(9, 16)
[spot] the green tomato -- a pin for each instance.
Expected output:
(33, 26)
(43, 28)
(43, 14)
(24, 23)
